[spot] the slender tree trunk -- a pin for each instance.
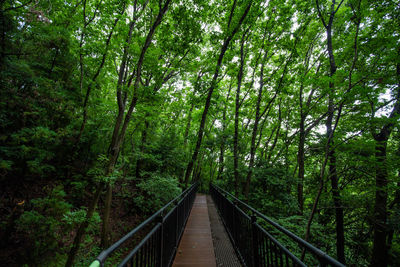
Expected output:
(303, 132)
(338, 207)
(139, 161)
(255, 129)
(300, 150)
(300, 162)
(316, 200)
(210, 92)
(221, 160)
(265, 153)
(222, 145)
(277, 132)
(82, 227)
(380, 247)
(395, 202)
(379, 254)
(189, 121)
(120, 128)
(237, 110)
(185, 139)
(334, 182)
(94, 78)
(330, 137)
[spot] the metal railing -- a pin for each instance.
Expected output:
(254, 245)
(159, 246)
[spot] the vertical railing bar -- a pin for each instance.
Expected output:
(141, 256)
(287, 260)
(263, 250)
(273, 254)
(161, 239)
(273, 259)
(268, 251)
(178, 223)
(144, 255)
(155, 248)
(159, 263)
(153, 252)
(149, 262)
(271, 251)
(148, 253)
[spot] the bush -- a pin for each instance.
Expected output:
(156, 191)
(43, 227)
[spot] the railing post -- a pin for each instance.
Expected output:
(234, 226)
(177, 230)
(322, 262)
(161, 220)
(254, 240)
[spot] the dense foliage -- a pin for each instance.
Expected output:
(108, 108)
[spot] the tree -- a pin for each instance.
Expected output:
(227, 40)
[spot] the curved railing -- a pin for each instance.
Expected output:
(254, 245)
(159, 246)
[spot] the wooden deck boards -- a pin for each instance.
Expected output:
(196, 247)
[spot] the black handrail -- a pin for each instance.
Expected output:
(158, 247)
(254, 245)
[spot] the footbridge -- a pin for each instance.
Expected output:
(217, 229)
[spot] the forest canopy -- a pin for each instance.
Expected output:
(109, 108)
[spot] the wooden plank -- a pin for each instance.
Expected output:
(196, 247)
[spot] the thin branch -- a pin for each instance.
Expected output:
(17, 7)
(341, 2)
(320, 15)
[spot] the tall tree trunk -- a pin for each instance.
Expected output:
(395, 202)
(330, 137)
(189, 120)
(379, 253)
(185, 139)
(120, 128)
(139, 161)
(316, 201)
(380, 248)
(258, 115)
(300, 163)
(92, 207)
(210, 92)
(278, 131)
(222, 145)
(237, 110)
(255, 128)
(303, 132)
(93, 80)
(82, 227)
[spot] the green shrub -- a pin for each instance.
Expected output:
(157, 190)
(43, 227)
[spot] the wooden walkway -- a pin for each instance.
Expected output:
(196, 247)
